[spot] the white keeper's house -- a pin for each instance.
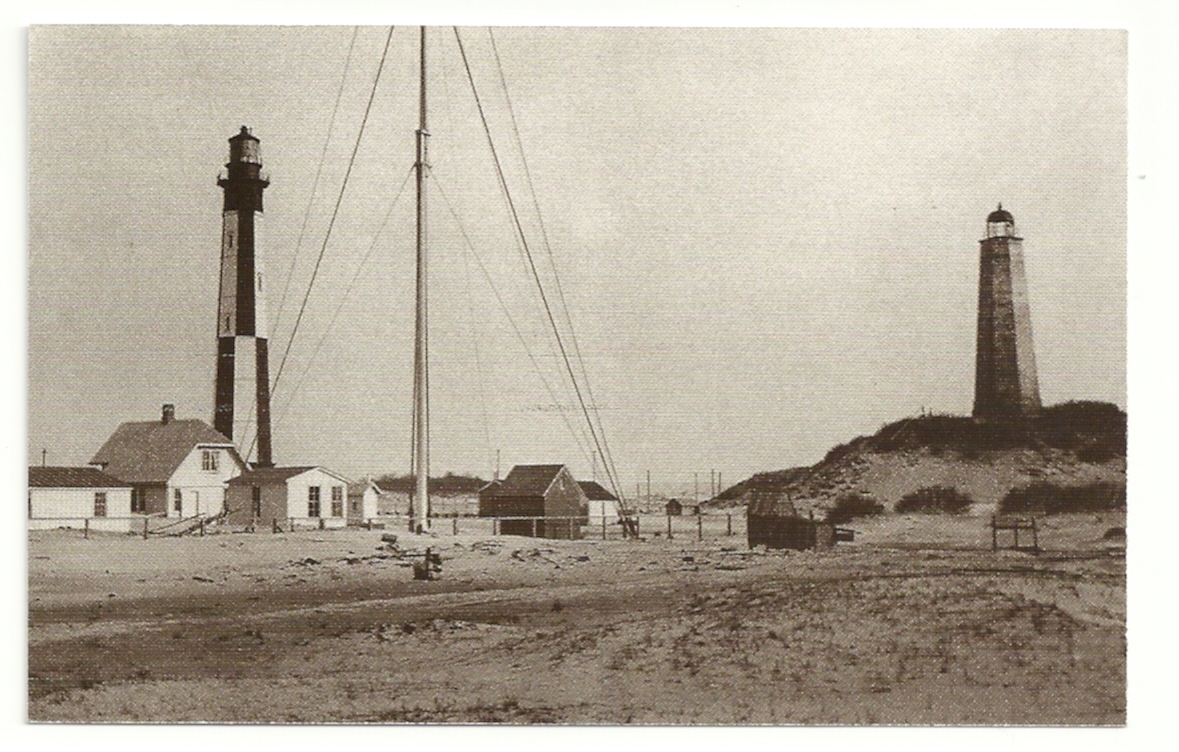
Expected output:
(176, 468)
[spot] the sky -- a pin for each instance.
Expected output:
(766, 238)
(110, 330)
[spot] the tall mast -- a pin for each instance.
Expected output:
(420, 507)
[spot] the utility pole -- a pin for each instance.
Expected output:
(648, 488)
(44, 452)
(419, 514)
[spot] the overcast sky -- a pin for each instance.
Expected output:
(767, 239)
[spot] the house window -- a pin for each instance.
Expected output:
(256, 502)
(355, 506)
(337, 501)
(139, 501)
(210, 460)
(313, 501)
(177, 500)
(100, 504)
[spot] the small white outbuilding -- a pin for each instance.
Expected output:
(78, 497)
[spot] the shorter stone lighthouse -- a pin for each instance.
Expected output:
(1005, 383)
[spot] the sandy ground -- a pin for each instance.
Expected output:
(916, 622)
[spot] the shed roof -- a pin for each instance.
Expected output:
(357, 488)
(260, 476)
(594, 491)
(72, 477)
(150, 451)
(527, 480)
(767, 503)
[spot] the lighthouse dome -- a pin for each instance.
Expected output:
(1000, 215)
(1000, 224)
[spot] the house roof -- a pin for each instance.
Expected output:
(527, 480)
(594, 491)
(358, 488)
(150, 451)
(72, 477)
(262, 475)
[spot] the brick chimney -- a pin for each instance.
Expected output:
(169, 414)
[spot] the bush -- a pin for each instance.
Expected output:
(1050, 498)
(849, 506)
(1096, 428)
(935, 499)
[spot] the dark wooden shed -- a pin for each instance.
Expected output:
(774, 523)
(674, 508)
(548, 493)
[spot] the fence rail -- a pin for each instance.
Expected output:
(656, 526)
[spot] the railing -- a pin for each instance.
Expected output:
(653, 526)
(646, 526)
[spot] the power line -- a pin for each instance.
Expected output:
(315, 183)
(531, 261)
(512, 322)
(607, 458)
(347, 292)
(331, 224)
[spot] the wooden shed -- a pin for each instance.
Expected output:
(363, 496)
(773, 522)
(548, 494)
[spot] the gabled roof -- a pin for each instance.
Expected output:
(149, 452)
(260, 476)
(527, 480)
(72, 477)
(358, 488)
(594, 491)
(766, 503)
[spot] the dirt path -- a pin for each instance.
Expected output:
(524, 631)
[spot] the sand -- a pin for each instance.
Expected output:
(916, 622)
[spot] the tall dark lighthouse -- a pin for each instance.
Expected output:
(1005, 383)
(243, 373)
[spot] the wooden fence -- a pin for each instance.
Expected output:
(649, 526)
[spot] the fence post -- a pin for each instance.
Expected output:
(456, 525)
(86, 528)
(994, 535)
(603, 524)
(291, 524)
(274, 525)
(636, 527)
(145, 528)
(495, 526)
(669, 527)
(699, 527)
(202, 525)
(729, 524)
